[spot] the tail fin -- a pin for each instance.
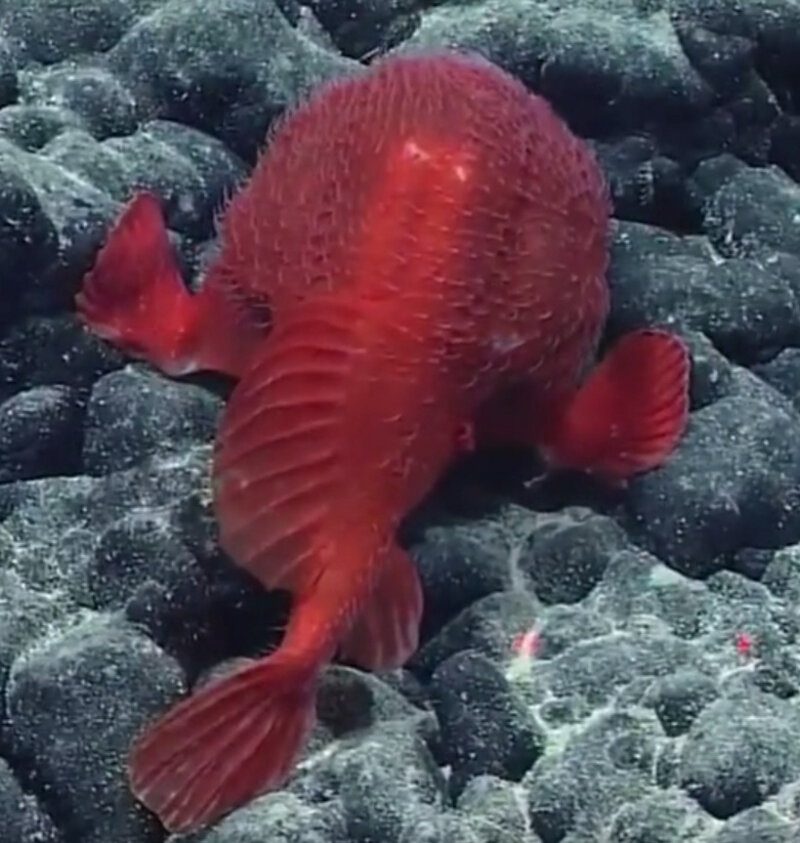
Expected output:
(226, 744)
(630, 413)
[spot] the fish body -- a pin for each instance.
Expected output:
(416, 265)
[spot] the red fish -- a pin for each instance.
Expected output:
(418, 260)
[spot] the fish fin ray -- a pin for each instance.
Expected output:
(227, 743)
(134, 297)
(630, 413)
(386, 633)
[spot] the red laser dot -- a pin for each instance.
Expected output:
(527, 643)
(744, 644)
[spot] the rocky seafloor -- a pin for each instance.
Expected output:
(662, 704)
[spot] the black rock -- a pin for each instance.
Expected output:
(21, 818)
(739, 751)
(103, 104)
(742, 305)
(140, 565)
(713, 173)
(231, 79)
(485, 727)
(647, 186)
(47, 31)
(80, 215)
(27, 237)
(773, 27)
(598, 81)
(360, 28)
(201, 620)
(459, 564)
(46, 535)
(660, 817)
(494, 805)
(782, 576)
(566, 556)
(599, 669)
(428, 825)
(691, 143)
(754, 214)
(785, 146)
(98, 672)
(155, 166)
(678, 699)
(711, 373)
(31, 126)
(746, 608)
(132, 549)
(754, 110)
(25, 613)
(220, 170)
(756, 825)
(783, 373)
(602, 767)
(281, 817)
(190, 172)
(560, 627)
(751, 562)
(733, 482)
(42, 351)
(52, 525)
(133, 414)
(723, 60)
(9, 87)
(753, 21)
(40, 433)
(637, 588)
(77, 151)
(383, 778)
(350, 700)
(489, 626)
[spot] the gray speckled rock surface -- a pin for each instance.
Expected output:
(133, 415)
(739, 751)
(23, 820)
(738, 471)
(40, 432)
(283, 818)
(100, 674)
(660, 700)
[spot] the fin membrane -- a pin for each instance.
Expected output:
(386, 633)
(225, 744)
(630, 413)
(135, 298)
(134, 295)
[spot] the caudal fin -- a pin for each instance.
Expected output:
(226, 744)
(631, 412)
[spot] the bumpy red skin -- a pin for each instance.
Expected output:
(450, 243)
(454, 214)
(430, 241)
